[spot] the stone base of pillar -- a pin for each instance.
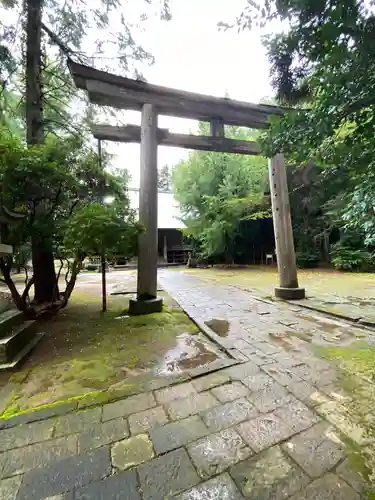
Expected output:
(289, 293)
(145, 306)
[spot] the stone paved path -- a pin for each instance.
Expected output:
(266, 429)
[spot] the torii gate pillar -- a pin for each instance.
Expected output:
(282, 223)
(147, 300)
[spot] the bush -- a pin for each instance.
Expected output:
(91, 267)
(346, 258)
(308, 258)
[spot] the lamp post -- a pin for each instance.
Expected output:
(102, 255)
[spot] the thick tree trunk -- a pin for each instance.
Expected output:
(34, 96)
(45, 286)
(46, 289)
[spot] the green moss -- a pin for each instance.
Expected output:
(357, 461)
(356, 365)
(12, 410)
(97, 351)
(357, 358)
(95, 398)
(19, 377)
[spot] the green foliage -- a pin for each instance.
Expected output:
(308, 258)
(216, 191)
(101, 34)
(358, 213)
(349, 255)
(335, 34)
(165, 178)
(91, 267)
(60, 187)
(109, 25)
(58, 178)
(324, 60)
(98, 228)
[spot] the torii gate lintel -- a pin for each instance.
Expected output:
(112, 90)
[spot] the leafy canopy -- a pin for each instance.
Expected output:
(98, 228)
(61, 187)
(216, 191)
(325, 56)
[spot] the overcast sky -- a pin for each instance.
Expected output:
(192, 54)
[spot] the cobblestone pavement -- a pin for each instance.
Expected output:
(269, 428)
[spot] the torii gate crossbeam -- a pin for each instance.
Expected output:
(112, 90)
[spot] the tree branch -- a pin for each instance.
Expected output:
(55, 202)
(26, 275)
(76, 268)
(25, 293)
(61, 266)
(21, 304)
(73, 207)
(56, 40)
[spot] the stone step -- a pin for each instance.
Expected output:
(21, 354)
(9, 320)
(14, 342)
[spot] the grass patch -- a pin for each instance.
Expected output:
(356, 365)
(86, 352)
(358, 358)
(263, 279)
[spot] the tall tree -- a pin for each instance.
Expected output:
(326, 54)
(71, 22)
(165, 178)
(46, 285)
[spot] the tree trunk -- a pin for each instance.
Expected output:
(228, 253)
(228, 257)
(34, 96)
(46, 288)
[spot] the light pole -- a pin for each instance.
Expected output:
(102, 256)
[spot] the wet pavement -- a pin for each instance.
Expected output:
(354, 309)
(85, 351)
(235, 317)
(271, 427)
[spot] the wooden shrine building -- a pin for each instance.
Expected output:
(108, 89)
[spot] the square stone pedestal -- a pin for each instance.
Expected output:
(145, 306)
(289, 293)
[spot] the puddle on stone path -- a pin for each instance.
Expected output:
(305, 336)
(326, 324)
(219, 326)
(284, 339)
(280, 340)
(333, 332)
(191, 351)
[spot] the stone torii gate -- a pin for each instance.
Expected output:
(108, 89)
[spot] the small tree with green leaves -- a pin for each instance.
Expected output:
(98, 229)
(60, 187)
